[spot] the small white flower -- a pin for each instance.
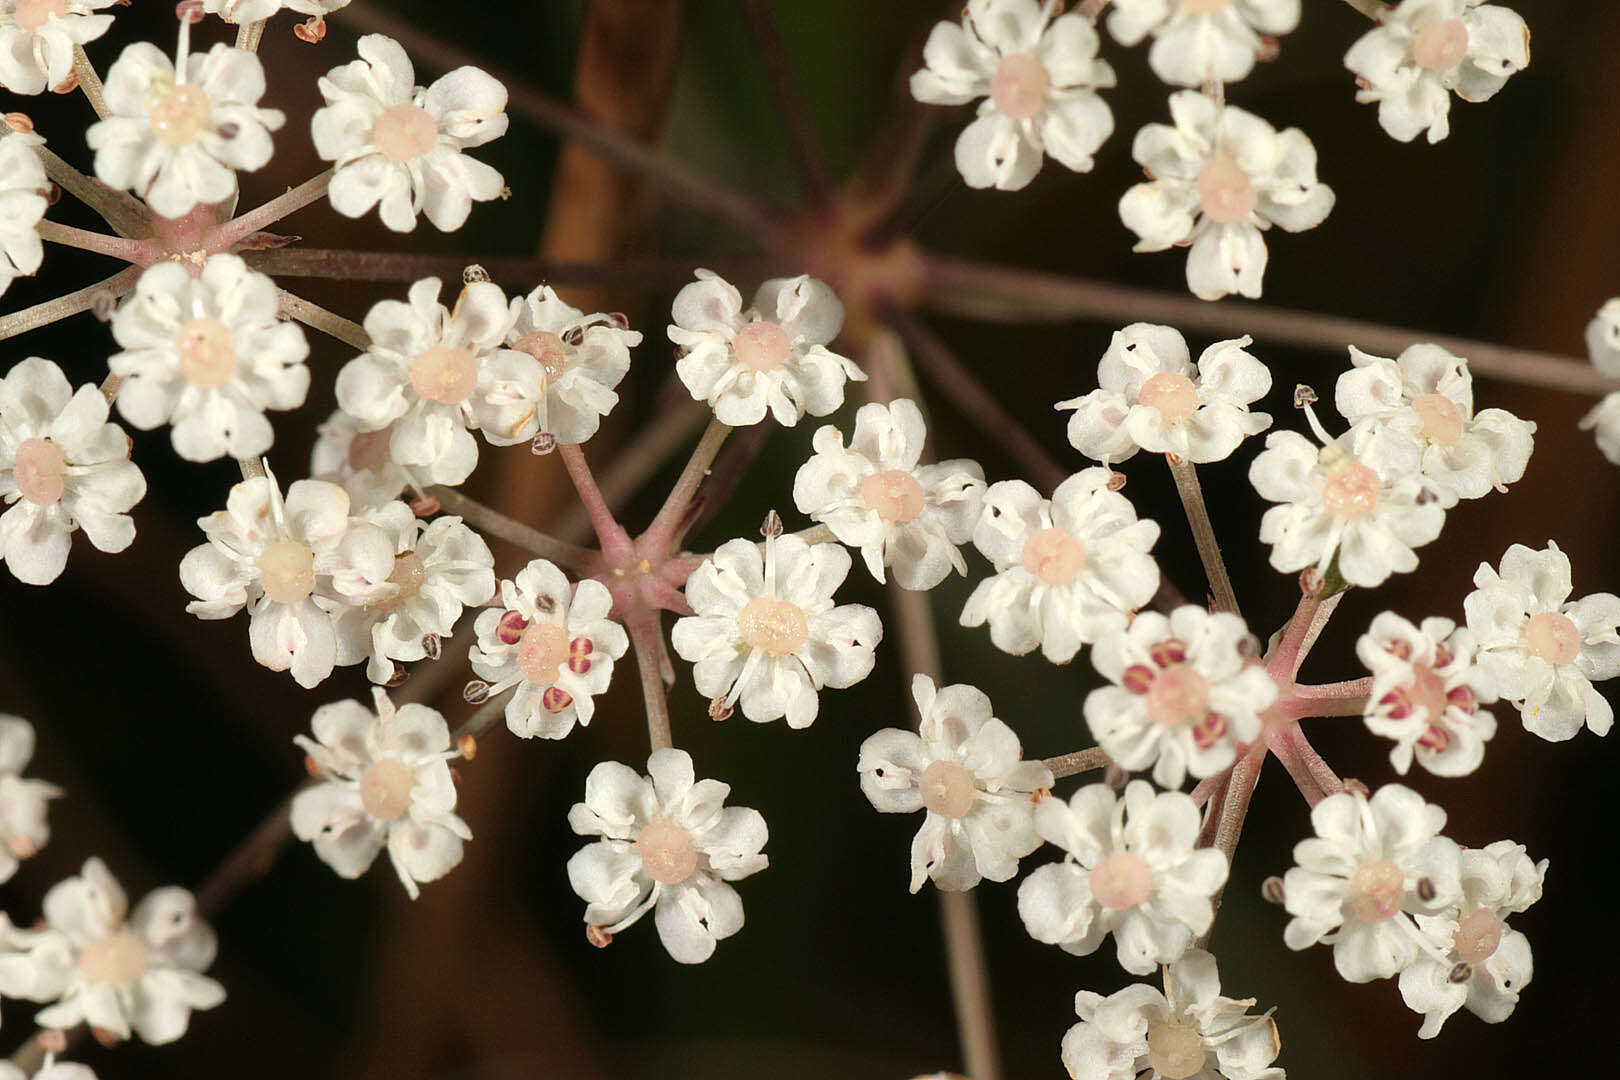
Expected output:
(1605, 418)
(965, 768)
(1039, 78)
(1426, 692)
(1199, 41)
(179, 131)
(1188, 1031)
(359, 462)
(556, 644)
(1131, 869)
(62, 468)
(772, 355)
(248, 11)
(766, 633)
(23, 185)
(1539, 649)
(561, 374)
(50, 1070)
(1603, 338)
(1068, 570)
(876, 497)
(667, 843)
(1424, 49)
(143, 973)
(1219, 177)
(398, 146)
(23, 829)
(208, 354)
(1476, 959)
(1373, 865)
(385, 782)
(1150, 397)
(1185, 694)
(37, 39)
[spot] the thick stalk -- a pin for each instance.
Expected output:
(1209, 548)
(89, 82)
(230, 233)
(318, 318)
(638, 461)
(1079, 761)
(123, 214)
(136, 252)
(248, 35)
(646, 638)
(517, 271)
(31, 318)
(494, 523)
(614, 541)
(1229, 809)
(660, 535)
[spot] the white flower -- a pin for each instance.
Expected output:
(774, 354)
(23, 185)
(99, 969)
(178, 131)
(1424, 49)
(1199, 41)
(208, 355)
(23, 830)
(1150, 397)
(37, 39)
(398, 146)
(62, 467)
(292, 564)
(1185, 694)
(248, 11)
(1476, 959)
(1373, 864)
(1426, 692)
(1424, 399)
(766, 632)
(1605, 417)
(876, 497)
(562, 373)
(965, 768)
(556, 644)
(1068, 569)
(429, 372)
(50, 1070)
(1131, 869)
(439, 568)
(1039, 78)
(1603, 338)
(1141, 1032)
(667, 843)
(385, 781)
(359, 462)
(1219, 177)
(1539, 649)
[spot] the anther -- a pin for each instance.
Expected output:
(398, 677)
(1116, 481)
(1115, 777)
(1426, 891)
(719, 710)
(1304, 396)
(772, 528)
(432, 646)
(313, 767)
(475, 692)
(598, 936)
(1271, 890)
(544, 443)
(312, 31)
(18, 121)
(468, 747)
(509, 630)
(1460, 973)
(424, 505)
(473, 274)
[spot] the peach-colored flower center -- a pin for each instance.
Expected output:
(115, 960)
(444, 374)
(385, 789)
(369, 449)
(762, 346)
(1121, 881)
(1175, 1050)
(33, 14)
(1440, 46)
(1053, 556)
(405, 133)
(894, 494)
(1377, 890)
(666, 852)
(1554, 637)
(776, 627)
(408, 574)
(1352, 491)
(1173, 395)
(179, 113)
(207, 354)
(1442, 421)
(1019, 86)
(1178, 696)
(1225, 191)
(547, 348)
(1204, 7)
(40, 471)
(541, 651)
(948, 789)
(1477, 936)
(287, 571)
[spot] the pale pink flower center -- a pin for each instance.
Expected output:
(547, 348)
(895, 495)
(948, 789)
(405, 133)
(1352, 492)
(385, 789)
(207, 354)
(1442, 421)
(1175, 1050)
(762, 346)
(666, 852)
(1053, 556)
(1204, 7)
(1553, 637)
(1428, 691)
(1173, 395)
(369, 449)
(1225, 191)
(776, 627)
(287, 571)
(1377, 890)
(33, 14)
(1019, 86)
(408, 574)
(1477, 936)
(1121, 881)
(179, 113)
(115, 960)
(1178, 696)
(20, 846)
(41, 472)
(1440, 46)
(542, 650)
(445, 375)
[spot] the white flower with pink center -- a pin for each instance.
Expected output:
(23, 188)
(1150, 397)
(552, 641)
(1199, 41)
(1539, 649)
(875, 496)
(668, 845)
(37, 39)
(1188, 1032)
(1373, 865)
(966, 768)
(62, 468)
(1039, 78)
(208, 354)
(23, 829)
(1186, 692)
(385, 782)
(766, 633)
(1426, 694)
(398, 146)
(1476, 961)
(111, 968)
(179, 132)
(772, 356)
(563, 366)
(1218, 178)
(359, 462)
(248, 11)
(1068, 569)
(1424, 49)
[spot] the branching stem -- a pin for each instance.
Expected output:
(491, 521)
(1080, 761)
(329, 323)
(661, 534)
(90, 82)
(614, 541)
(1209, 548)
(230, 233)
(136, 252)
(646, 638)
(125, 215)
(43, 314)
